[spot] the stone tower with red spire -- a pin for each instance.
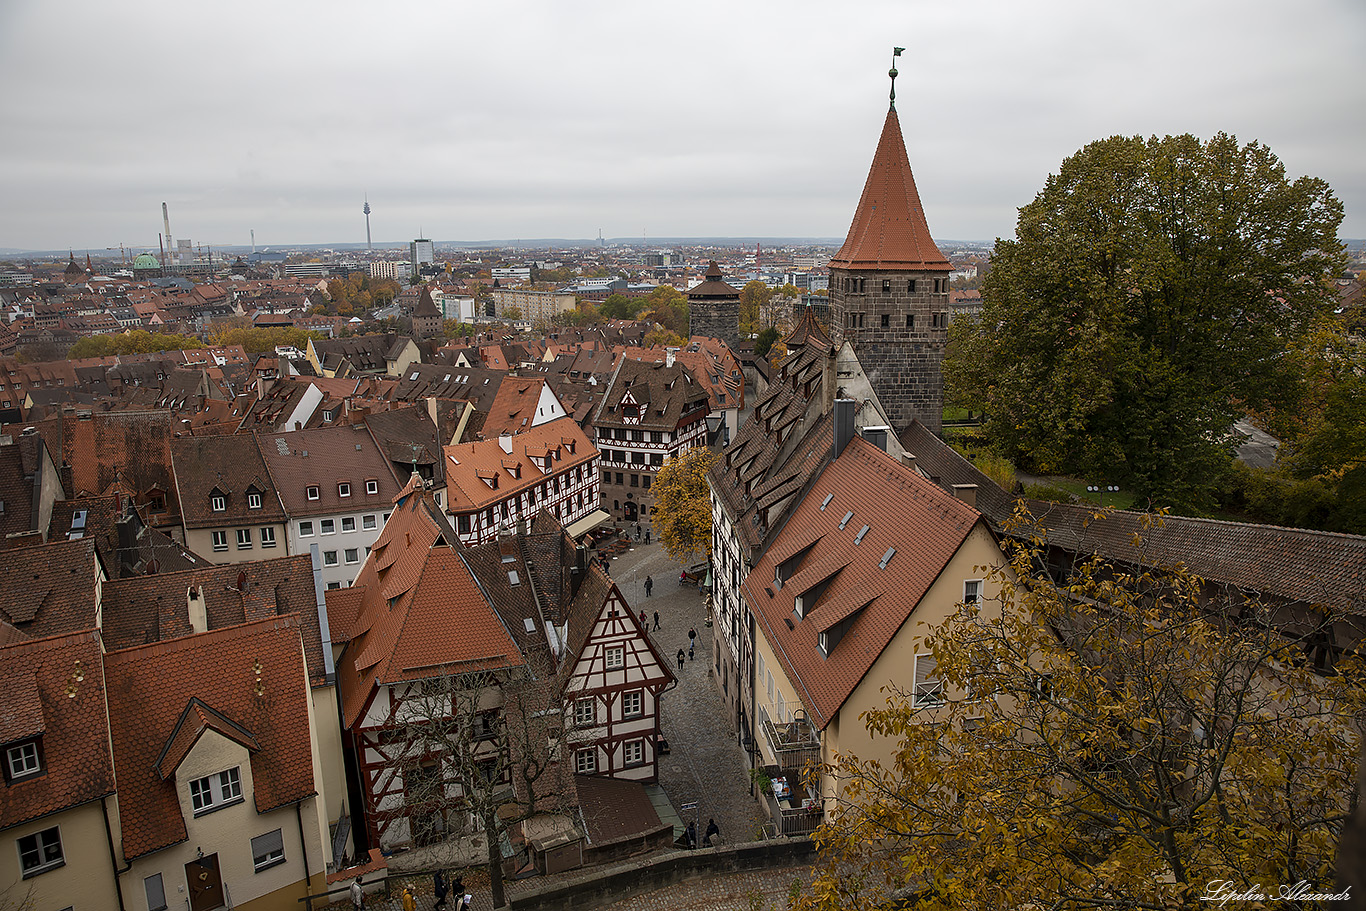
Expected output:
(889, 287)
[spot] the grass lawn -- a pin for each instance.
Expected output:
(1121, 500)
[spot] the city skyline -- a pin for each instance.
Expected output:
(545, 122)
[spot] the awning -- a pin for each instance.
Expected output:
(588, 523)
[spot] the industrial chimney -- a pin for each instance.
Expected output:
(166, 218)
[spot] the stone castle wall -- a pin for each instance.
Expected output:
(715, 318)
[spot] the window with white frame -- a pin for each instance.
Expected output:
(305, 529)
(329, 558)
(267, 537)
(253, 500)
(972, 591)
(220, 540)
(348, 523)
(615, 656)
(218, 502)
(328, 526)
(156, 892)
(372, 487)
(632, 704)
(585, 711)
(929, 689)
(268, 850)
(22, 760)
(635, 752)
(367, 523)
(244, 539)
(344, 489)
(585, 761)
(312, 492)
(40, 852)
(352, 555)
(214, 791)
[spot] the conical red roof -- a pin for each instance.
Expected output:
(889, 229)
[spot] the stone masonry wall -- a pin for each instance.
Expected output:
(715, 318)
(904, 362)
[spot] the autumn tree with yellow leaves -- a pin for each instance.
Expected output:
(1122, 738)
(682, 509)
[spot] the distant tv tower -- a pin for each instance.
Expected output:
(368, 247)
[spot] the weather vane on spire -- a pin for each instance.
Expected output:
(896, 52)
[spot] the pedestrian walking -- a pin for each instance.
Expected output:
(357, 895)
(647, 536)
(637, 531)
(644, 624)
(409, 903)
(713, 831)
(680, 659)
(656, 619)
(690, 647)
(692, 634)
(458, 890)
(649, 586)
(691, 835)
(439, 889)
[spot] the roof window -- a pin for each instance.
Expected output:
(845, 520)
(887, 558)
(826, 501)
(858, 538)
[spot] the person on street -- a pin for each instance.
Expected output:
(439, 889)
(692, 635)
(409, 903)
(689, 651)
(656, 619)
(649, 584)
(644, 624)
(712, 832)
(691, 835)
(680, 659)
(357, 895)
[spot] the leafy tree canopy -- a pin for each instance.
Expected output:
(764, 341)
(619, 306)
(753, 297)
(1150, 298)
(668, 307)
(138, 341)
(682, 510)
(1118, 743)
(265, 340)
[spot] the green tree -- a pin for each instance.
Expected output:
(1150, 298)
(754, 296)
(682, 510)
(668, 307)
(1117, 743)
(262, 341)
(619, 306)
(764, 341)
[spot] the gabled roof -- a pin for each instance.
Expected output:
(665, 395)
(257, 687)
(324, 458)
(49, 590)
(901, 510)
(231, 465)
(54, 687)
(140, 610)
(422, 612)
(194, 721)
(467, 465)
(889, 230)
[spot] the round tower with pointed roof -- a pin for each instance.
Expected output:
(889, 287)
(714, 308)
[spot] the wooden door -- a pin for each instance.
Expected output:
(205, 883)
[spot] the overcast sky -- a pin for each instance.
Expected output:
(547, 118)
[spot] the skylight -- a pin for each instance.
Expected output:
(887, 558)
(826, 501)
(845, 520)
(858, 538)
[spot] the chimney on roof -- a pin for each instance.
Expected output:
(198, 611)
(967, 493)
(844, 426)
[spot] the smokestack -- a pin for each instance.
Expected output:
(166, 217)
(253, 241)
(844, 426)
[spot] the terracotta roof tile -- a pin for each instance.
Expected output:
(324, 458)
(889, 230)
(902, 510)
(468, 464)
(55, 687)
(232, 465)
(49, 589)
(614, 809)
(150, 689)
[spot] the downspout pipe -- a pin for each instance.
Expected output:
(113, 858)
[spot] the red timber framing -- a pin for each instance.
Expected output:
(612, 697)
(390, 757)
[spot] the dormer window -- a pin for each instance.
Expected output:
(218, 502)
(344, 489)
(313, 493)
(253, 499)
(22, 760)
(215, 791)
(372, 487)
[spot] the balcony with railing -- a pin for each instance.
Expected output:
(793, 744)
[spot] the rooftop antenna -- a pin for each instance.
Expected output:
(896, 52)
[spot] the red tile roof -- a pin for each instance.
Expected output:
(467, 464)
(889, 230)
(55, 687)
(49, 590)
(323, 458)
(257, 685)
(901, 510)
